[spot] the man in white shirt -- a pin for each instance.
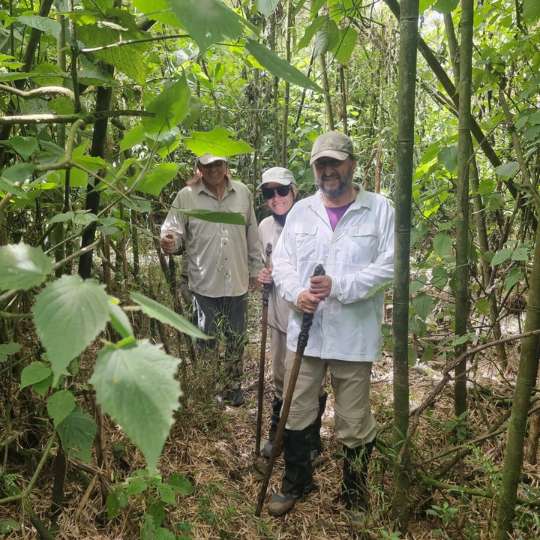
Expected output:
(351, 233)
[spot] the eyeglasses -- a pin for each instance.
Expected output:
(269, 193)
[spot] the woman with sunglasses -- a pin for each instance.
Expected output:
(278, 189)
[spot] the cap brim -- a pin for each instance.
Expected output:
(208, 160)
(335, 154)
(275, 181)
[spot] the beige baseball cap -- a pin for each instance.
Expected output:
(277, 175)
(207, 158)
(332, 144)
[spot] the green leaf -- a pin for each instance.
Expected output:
(207, 21)
(423, 305)
(8, 525)
(439, 277)
(445, 6)
(154, 181)
(267, 7)
(167, 493)
(77, 432)
(42, 387)
(34, 373)
(136, 386)
(507, 170)
(24, 146)
(347, 41)
(520, 254)
(231, 218)
(20, 172)
(442, 244)
(132, 137)
(8, 348)
(310, 31)
(460, 340)
(168, 316)
(119, 319)
(180, 484)
(531, 10)
(279, 67)
(60, 405)
(327, 38)
(514, 276)
(169, 107)
(41, 23)
(448, 157)
(217, 142)
(70, 307)
(501, 256)
(482, 306)
(23, 266)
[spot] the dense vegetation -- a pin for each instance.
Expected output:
(104, 105)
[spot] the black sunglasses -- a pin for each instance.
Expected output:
(269, 193)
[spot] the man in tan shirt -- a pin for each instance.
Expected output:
(222, 260)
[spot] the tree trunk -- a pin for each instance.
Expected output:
(343, 89)
(408, 30)
(528, 367)
(462, 218)
(327, 97)
(286, 98)
(99, 138)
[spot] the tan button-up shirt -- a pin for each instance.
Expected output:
(220, 257)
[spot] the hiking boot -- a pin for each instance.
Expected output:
(281, 503)
(354, 490)
(235, 397)
(297, 480)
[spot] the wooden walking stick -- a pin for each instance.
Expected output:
(264, 328)
(307, 320)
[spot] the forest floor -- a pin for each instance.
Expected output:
(213, 447)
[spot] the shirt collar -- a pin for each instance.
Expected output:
(363, 200)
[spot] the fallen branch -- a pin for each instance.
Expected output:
(67, 118)
(131, 42)
(41, 91)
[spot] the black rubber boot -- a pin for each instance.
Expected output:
(354, 490)
(316, 445)
(274, 421)
(298, 478)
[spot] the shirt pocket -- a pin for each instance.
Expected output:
(362, 242)
(306, 243)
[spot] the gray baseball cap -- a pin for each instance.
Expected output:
(207, 158)
(332, 144)
(277, 175)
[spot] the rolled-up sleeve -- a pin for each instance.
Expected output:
(253, 243)
(376, 276)
(174, 223)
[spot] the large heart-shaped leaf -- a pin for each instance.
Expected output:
(168, 316)
(69, 313)
(169, 107)
(136, 386)
(23, 266)
(155, 180)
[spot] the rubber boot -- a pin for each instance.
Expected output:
(298, 478)
(316, 445)
(274, 421)
(354, 490)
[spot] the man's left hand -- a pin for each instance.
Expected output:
(320, 286)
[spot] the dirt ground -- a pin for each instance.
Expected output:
(213, 447)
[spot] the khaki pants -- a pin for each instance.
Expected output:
(278, 351)
(354, 422)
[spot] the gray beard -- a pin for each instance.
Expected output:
(337, 192)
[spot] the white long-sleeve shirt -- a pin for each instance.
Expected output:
(358, 256)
